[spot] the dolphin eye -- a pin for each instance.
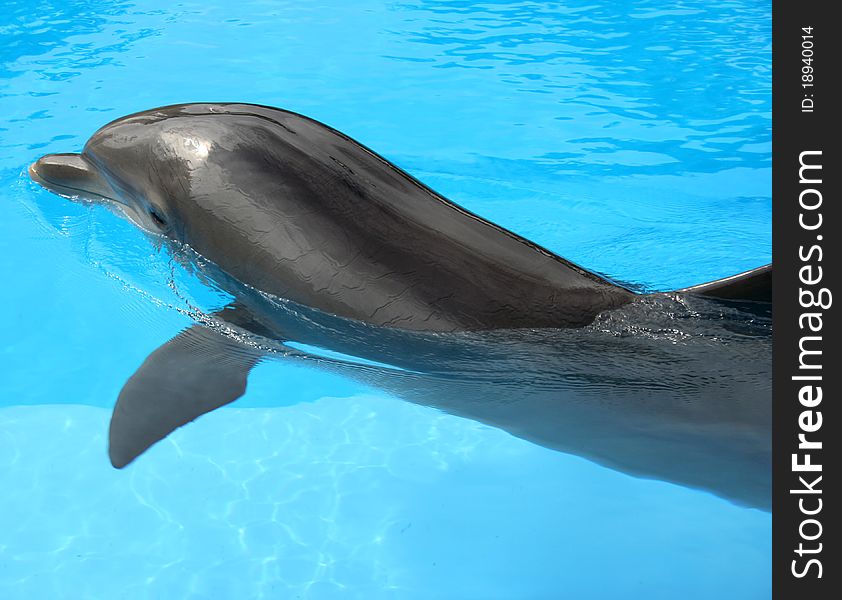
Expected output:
(157, 218)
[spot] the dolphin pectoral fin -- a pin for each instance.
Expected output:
(754, 285)
(196, 372)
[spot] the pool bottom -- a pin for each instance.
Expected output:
(358, 497)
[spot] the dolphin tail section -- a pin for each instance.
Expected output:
(754, 285)
(194, 373)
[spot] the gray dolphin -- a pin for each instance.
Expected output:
(323, 242)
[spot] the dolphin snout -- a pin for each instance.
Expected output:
(70, 175)
(59, 169)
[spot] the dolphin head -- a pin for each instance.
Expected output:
(142, 165)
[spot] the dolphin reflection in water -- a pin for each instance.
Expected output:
(324, 244)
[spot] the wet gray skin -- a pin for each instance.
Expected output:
(479, 321)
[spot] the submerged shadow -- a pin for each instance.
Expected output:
(670, 387)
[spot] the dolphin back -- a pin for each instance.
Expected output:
(301, 211)
(754, 285)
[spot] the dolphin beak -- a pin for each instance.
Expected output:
(70, 175)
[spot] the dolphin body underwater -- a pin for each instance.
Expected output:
(323, 243)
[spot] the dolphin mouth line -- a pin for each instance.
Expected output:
(87, 197)
(66, 190)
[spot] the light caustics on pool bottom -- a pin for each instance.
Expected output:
(631, 139)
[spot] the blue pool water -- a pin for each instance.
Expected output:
(631, 138)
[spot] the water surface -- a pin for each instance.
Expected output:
(629, 137)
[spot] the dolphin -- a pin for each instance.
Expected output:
(324, 244)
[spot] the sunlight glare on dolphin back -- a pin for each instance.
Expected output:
(198, 146)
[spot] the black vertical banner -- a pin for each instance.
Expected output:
(807, 225)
